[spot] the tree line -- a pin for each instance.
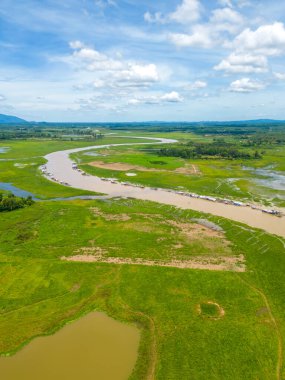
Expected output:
(205, 150)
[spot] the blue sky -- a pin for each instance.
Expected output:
(130, 60)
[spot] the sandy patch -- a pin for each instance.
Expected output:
(233, 264)
(196, 231)
(119, 166)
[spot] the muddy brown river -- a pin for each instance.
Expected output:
(59, 165)
(94, 347)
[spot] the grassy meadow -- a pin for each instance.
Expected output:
(198, 324)
(40, 292)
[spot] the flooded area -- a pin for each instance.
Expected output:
(60, 166)
(4, 149)
(94, 347)
(267, 177)
(15, 190)
(24, 194)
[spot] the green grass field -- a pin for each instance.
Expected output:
(39, 292)
(198, 324)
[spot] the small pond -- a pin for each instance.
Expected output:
(94, 347)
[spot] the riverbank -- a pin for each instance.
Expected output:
(60, 167)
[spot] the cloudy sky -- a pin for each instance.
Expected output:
(134, 60)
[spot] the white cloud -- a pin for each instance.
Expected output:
(134, 102)
(169, 97)
(226, 20)
(222, 22)
(76, 44)
(197, 85)
(187, 12)
(172, 97)
(243, 63)
(138, 73)
(246, 85)
(200, 38)
(99, 83)
(2, 98)
(154, 18)
(266, 40)
(280, 76)
(119, 73)
(252, 49)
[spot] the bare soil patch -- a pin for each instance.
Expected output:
(195, 230)
(234, 264)
(120, 166)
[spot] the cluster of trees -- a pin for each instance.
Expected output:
(9, 202)
(205, 150)
(10, 133)
(265, 139)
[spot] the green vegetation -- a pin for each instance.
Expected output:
(218, 148)
(210, 310)
(198, 324)
(23, 132)
(204, 174)
(39, 292)
(9, 202)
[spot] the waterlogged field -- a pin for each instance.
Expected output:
(206, 293)
(237, 179)
(182, 335)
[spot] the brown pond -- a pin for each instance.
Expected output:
(94, 347)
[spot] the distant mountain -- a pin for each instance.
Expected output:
(8, 119)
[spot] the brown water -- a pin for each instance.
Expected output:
(94, 347)
(60, 165)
